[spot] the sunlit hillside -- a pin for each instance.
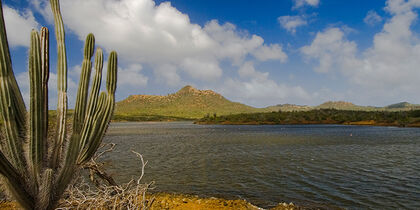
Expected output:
(186, 103)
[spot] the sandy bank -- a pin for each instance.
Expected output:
(186, 202)
(180, 202)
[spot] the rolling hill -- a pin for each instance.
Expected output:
(288, 108)
(188, 102)
(343, 105)
(403, 105)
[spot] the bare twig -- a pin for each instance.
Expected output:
(97, 169)
(131, 195)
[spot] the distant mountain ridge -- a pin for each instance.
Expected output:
(343, 105)
(336, 105)
(289, 107)
(191, 103)
(403, 105)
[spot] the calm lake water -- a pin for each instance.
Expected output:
(315, 165)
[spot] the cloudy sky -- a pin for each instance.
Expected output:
(259, 53)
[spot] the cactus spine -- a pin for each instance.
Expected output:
(36, 176)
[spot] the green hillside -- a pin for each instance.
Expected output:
(403, 105)
(288, 108)
(186, 103)
(342, 105)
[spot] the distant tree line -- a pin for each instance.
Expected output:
(320, 116)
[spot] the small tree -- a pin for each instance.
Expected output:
(38, 169)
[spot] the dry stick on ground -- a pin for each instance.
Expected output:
(127, 196)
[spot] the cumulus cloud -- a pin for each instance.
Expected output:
(202, 69)
(236, 45)
(397, 7)
(331, 50)
(160, 35)
(291, 23)
(168, 74)
(271, 52)
(389, 68)
(258, 90)
(302, 3)
(19, 26)
(372, 18)
(247, 70)
(131, 76)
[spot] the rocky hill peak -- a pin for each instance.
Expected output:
(337, 104)
(190, 90)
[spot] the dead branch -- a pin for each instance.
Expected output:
(131, 195)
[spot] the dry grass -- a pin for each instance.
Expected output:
(128, 196)
(131, 195)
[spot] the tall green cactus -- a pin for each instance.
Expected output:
(38, 173)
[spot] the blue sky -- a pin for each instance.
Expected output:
(259, 53)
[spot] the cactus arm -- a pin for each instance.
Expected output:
(45, 190)
(94, 131)
(93, 98)
(78, 139)
(45, 65)
(111, 80)
(19, 105)
(79, 119)
(70, 166)
(96, 134)
(10, 103)
(36, 140)
(73, 151)
(80, 108)
(68, 170)
(96, 84)
(102, 123)
(15, 183)
(61, 84)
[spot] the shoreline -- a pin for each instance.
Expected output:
(164, 200)
(358, 123)
(174, 201)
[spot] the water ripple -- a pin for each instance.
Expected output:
(315, 165)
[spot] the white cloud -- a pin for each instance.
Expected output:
(401, 6)
(247, 70)
(202, 69)
(236, 45)
(160, 35)
(372, 18)
(302, 3)
(271, 52)
(331, 50)
(131, 76)
(389, 69)
(291, 23)
(167, 73)
(19, 26)
(257, 89)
